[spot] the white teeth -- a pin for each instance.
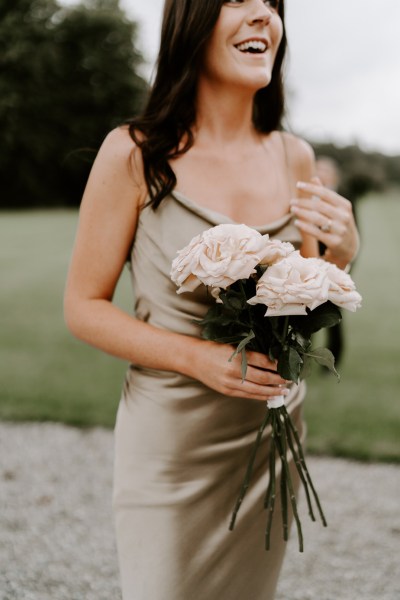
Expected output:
(253, 45)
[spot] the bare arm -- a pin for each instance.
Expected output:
(302, 162)
(107, 224)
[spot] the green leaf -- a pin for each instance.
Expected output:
(289, 364)
(325, 315)
(242, 349)
(235, 303)
(306, 367)
(301, 341)
(246, 340)
(244, 364)
(324, 357)
(248, 337)
(234, 300)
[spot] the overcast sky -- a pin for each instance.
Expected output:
(343, 72)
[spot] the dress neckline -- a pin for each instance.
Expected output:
(217, 218)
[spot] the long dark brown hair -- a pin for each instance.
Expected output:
(170, 111)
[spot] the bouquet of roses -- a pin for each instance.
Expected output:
(272, 300)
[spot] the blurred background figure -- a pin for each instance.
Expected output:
(329, 173)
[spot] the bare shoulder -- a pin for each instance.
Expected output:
(118, 142)
(109, 212)
(116, 186)
(301, 156)
(119, 156)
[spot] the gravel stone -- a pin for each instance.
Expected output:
(57, 538)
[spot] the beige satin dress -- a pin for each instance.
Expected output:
(181, 448)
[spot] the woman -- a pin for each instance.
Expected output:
(205, 151)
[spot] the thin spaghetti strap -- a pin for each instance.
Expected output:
(289, 170)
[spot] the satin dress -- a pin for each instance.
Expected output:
(181, 448)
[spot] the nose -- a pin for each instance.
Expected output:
(261, 13)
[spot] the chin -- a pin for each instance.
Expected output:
(263, 83)
(257, 83)
(255, 77)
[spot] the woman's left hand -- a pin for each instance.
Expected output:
(328, 217)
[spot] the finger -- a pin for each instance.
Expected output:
(311, 214)
(258, 392)
(316, 180)
(264, 377)
(262, 398)
(315, 204)
(257, 359)
(334, 225)
(316, 210)
(331, 239)
(326, 194)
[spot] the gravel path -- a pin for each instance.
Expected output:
(56, 530)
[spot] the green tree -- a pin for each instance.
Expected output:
(67, 76)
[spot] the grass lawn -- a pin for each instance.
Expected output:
(46, 375)
(360, 416)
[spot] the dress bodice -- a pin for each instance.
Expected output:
(160, 235)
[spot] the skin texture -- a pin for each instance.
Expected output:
(246, 180)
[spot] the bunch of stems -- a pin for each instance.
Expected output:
(284, 437)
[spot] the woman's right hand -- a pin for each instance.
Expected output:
(213, 368)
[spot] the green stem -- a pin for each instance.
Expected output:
(249, 470)
(270, 505)
(281, 443)
(298, 464)
(284, 500)
(283, 335)
(269, 490)
(305, 469)
(285, 328)
(249, 312)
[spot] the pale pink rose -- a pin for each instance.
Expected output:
(342, 289)
(276, 250)
(183, 265)
(218, 257)
(293, 284)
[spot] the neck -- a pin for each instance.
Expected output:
(224, 116)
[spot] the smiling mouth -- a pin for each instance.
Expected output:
(252, 47)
